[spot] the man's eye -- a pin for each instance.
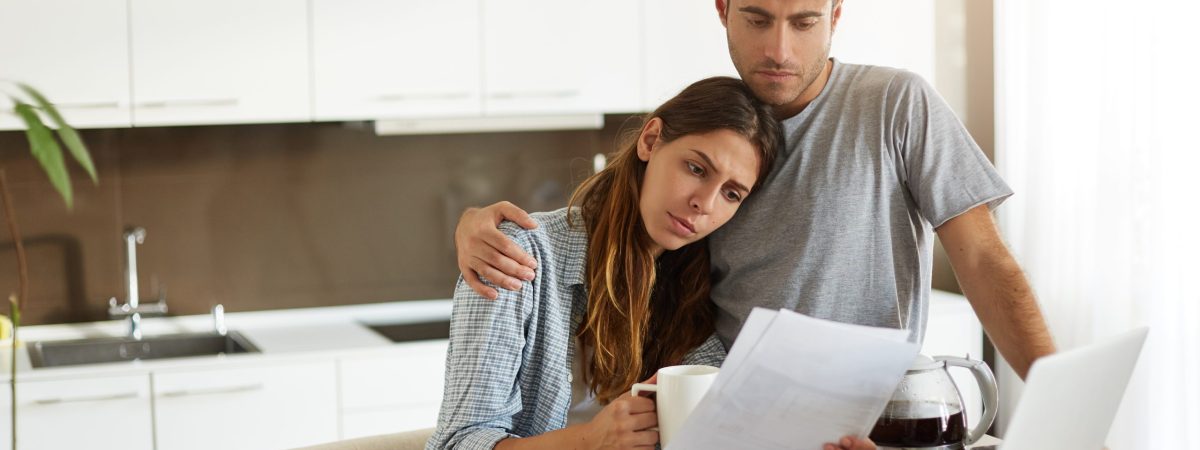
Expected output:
(695, 169)
(758, 23)
(804, 25)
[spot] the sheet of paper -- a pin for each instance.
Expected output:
(795, 382)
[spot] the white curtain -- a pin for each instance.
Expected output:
(1098, 132)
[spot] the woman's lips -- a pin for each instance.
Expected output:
(681, 228)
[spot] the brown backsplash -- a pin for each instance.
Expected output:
(273, 216)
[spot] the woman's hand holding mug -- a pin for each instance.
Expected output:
(626, 422)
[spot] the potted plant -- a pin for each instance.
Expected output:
(46, 145)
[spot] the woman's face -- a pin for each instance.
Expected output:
(693, 184)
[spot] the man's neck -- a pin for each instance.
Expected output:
(784, 112)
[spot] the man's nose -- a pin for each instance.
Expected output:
(779, 47)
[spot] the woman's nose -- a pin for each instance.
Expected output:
(702, 202)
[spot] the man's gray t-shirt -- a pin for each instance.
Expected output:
(842, 228)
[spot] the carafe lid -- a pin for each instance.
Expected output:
(922, 362)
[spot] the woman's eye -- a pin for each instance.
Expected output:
(695, 168)
(733, 196)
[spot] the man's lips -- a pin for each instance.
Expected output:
(776, 74)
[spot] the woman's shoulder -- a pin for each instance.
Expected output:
(561, 229)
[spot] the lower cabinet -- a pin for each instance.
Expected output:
(393, 393)
(275, 406)
(97, 412)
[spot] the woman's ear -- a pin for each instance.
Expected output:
(648, 138)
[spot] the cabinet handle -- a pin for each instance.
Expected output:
(214, 391)
(535, 94)
(86, 398)
(422, 96)
(74, 105)
(88, 105)
(189, 103)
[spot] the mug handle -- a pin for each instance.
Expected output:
(643, 387)
(987, 387)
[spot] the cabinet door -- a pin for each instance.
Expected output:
(219, 61)
(612, 45)
(97, 413)
(79, 59)
(685, 43)
(393, 393)
(535, 57)
(395, 58)
(278, 406)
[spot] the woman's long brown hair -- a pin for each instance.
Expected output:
(644, 314)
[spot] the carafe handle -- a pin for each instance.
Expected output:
(987, 387)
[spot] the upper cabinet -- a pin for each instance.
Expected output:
(75, 52)
(684, 43)
(114, 63)
(395, 58)
(613, 55)
(219, 61)
(534, 55)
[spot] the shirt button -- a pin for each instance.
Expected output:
(570, 378)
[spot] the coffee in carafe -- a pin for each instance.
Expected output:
(919, 425)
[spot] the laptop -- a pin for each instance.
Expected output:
(1071, 397)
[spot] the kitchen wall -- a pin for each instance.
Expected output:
(273, 216)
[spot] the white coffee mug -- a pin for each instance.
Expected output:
(678, 391)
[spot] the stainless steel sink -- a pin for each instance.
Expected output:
(104, 350)
(417, 331)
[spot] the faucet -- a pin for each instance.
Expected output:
(132, 309)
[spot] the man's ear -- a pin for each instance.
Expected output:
(648, 138)
(835, 15)
(723, 12)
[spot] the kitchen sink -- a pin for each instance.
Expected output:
(416, 331)
(104, 350)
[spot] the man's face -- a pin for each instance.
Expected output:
(780, 46)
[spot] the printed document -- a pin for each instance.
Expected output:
(795, 382)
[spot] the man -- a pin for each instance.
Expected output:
(842, 229)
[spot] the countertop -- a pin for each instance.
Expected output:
(278, 334)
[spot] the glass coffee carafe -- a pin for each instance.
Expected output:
(926, 411)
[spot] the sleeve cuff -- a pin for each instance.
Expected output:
(483, 439)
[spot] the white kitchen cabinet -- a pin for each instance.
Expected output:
(219, 61)
(395, 58)
(684, 43)
(271, 406)
(395, 392)
(612, 75)
(106, 412)
(534, 57)
(75, 52)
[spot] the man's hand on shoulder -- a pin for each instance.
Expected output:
(484, 251)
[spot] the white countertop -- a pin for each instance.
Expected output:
(278, 334)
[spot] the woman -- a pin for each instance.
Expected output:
(621, 289)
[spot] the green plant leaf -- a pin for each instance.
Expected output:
(67, 133)
(46, 150)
